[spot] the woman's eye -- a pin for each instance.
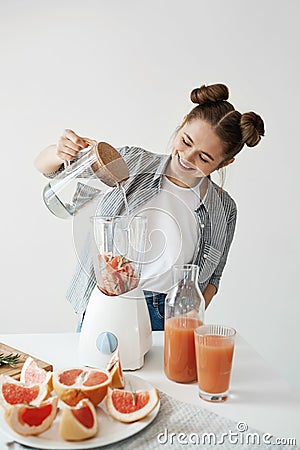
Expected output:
(202, 159)
(186, 143)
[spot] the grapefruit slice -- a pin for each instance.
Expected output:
(115, 369)
(129, 406)
(31, 373)
(13, 392)
(30, 420)
(73, 385)
(79, 422)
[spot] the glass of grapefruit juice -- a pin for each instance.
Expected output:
(214, 346)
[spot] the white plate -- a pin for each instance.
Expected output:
(110, 430)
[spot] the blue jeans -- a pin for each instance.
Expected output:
(156, 306)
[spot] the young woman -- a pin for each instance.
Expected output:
(190, 218)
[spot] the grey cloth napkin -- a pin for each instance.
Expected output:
(180, 425)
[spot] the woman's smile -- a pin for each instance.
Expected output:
(184, 165)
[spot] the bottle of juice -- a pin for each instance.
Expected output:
(184, 311)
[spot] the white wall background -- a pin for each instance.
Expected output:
(122, 71)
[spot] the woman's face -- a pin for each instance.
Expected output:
(197, 151)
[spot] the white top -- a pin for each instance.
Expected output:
(172, 233)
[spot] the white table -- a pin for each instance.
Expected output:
(259, 397)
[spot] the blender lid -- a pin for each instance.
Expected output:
(110, 167)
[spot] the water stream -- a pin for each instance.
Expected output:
(121, 187)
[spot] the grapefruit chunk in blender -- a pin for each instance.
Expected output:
(116, 275)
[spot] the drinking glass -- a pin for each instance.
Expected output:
(214, 346)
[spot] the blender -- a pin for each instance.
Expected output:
(117, 306)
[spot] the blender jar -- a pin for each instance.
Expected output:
(118, 250)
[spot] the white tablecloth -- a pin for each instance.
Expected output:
(259, 399)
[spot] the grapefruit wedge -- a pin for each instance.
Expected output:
(73, 385)
(130, 406)
(115, 369)
(79, 422)
(13, 392)
(30, 420)
(31, 373)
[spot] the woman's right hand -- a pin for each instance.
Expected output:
(69, 144)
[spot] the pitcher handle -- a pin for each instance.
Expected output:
(91, 143)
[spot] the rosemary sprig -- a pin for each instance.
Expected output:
(9, 360)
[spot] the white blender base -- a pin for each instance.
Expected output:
(127, 317)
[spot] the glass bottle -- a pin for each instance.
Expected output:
(184, 311)
(78, 183)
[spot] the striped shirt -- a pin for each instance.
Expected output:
(216, 215)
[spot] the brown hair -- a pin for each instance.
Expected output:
(232, 127)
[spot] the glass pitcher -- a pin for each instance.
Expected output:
(74, 187)
(184, 311)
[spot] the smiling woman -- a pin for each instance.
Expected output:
(190, 219)
(212, 134)
(197, 152)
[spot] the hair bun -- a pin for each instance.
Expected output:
(252, 128)
(213, 93)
